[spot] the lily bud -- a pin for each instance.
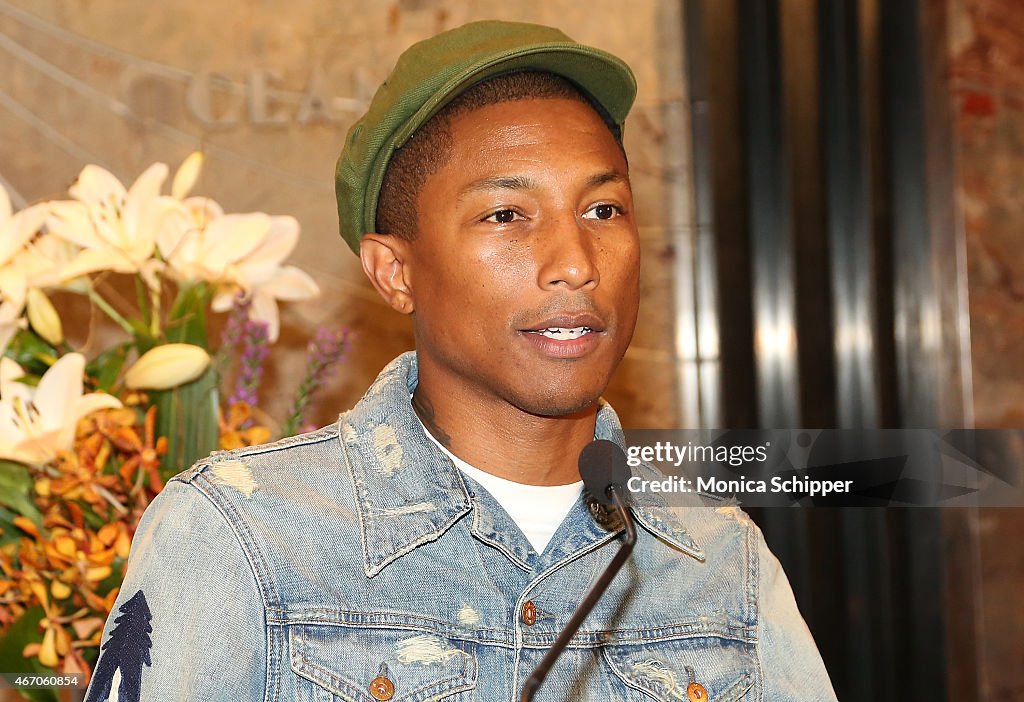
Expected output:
(167, 366)
(43, 317)
(187, 174)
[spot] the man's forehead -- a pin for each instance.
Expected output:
(528, 146)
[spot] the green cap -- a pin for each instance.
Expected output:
(430, 73)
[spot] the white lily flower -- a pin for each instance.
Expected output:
(16, 230)
(238, 253)
(260, 276)
(203, 210)
(36, 423)
(208, 253)
(44, 261)
(116, 228)
(11, 320)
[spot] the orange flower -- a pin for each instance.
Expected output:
(145, 455)
(68, 563)
(232, 435)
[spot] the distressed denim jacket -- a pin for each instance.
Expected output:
(357, 563)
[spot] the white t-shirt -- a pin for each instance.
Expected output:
(536, 509)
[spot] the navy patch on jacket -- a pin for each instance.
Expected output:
(126, 650)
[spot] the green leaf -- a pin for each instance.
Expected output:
(142, 300)
(187, 416)
(186, 322)
(16, 490)
(113, 580)
(8, 532)
(21, 633)
(30, 380)
(143, 339)
(108, 365)
(92, 520)
(32, 353)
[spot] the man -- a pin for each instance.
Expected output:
(433, 542)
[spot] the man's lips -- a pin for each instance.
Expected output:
(566, 335)
(587, 321)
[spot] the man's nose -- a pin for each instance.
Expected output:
(567, 255)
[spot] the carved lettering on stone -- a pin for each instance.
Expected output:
(264, 100)
(200, 102)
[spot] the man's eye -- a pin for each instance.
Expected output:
(604, 211)
(502, 216)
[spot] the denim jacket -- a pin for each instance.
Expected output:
(357, 563)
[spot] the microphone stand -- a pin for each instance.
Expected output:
(615, 492)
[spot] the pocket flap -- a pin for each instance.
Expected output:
(665, 670)
(420, 666)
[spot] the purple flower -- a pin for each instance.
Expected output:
(255, 349)
(326, 350)
(237, 318)
(234, 328)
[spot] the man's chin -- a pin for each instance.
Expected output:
(563, 405)
(564, 392)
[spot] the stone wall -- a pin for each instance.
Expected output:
(267, 90)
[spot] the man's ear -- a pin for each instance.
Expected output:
(385, 262)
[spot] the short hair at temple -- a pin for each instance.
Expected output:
(429, 149)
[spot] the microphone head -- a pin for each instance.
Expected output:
(602, 464)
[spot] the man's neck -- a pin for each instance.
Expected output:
(505, 441)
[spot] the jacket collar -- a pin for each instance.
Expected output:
(408, 493)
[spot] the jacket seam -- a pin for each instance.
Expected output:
(233, 521)
(385, 619)
(357, 502)
(325, 434)
(754, 548)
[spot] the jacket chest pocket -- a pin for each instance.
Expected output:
(377, 664)
(704, 669)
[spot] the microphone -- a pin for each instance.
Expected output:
(605, 473)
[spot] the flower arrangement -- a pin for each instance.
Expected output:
(88, 435)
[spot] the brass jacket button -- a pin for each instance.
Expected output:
(695, 692)
(529, 613)
(381, 688)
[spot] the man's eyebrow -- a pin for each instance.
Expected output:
(499, 183)
(527, 183)
(609, 176)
